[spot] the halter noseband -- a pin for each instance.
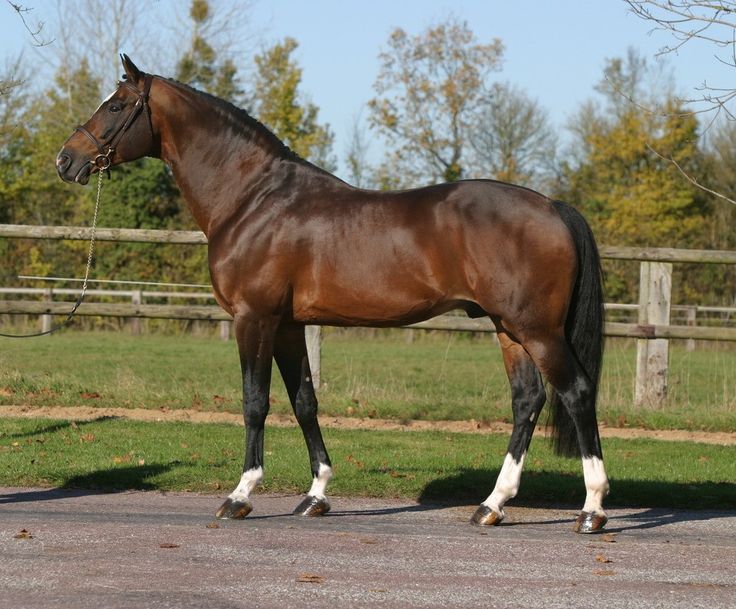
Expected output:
(103, 160)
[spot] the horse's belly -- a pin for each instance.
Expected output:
(372, 309)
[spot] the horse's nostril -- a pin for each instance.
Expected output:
(63, 161)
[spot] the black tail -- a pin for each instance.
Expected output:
(584, 325)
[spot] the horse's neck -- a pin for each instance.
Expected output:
(216, 168)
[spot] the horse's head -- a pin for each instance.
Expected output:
(120, 130)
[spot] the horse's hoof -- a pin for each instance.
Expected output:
(234, 510)
(311, 506)
(589, 522)
(485, 516)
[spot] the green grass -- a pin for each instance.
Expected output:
(429, 466)
(366, 374)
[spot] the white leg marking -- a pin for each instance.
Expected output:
(319, 483)
(507, 484)
(596, 484)
(248, 481)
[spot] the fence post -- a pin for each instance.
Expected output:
(652, 355)
(47, 320)
(691, 316)
(313, 335)
(135, 322)
(225, 330)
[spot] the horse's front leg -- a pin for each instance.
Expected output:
(290, 352)
(255, 338)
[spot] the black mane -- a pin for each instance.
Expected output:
(250, 125)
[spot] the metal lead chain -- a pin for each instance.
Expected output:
(90, 258)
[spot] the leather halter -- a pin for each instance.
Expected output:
(103, 160)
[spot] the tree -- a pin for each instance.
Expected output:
(512, 139)
(689, 21)
(623, 179)
(10, 80)
(428, 89)
(697, 20)
(280, 105)
(356, 155)
(199, 67)
(121, 24)
(30, 190)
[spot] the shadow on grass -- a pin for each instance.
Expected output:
(55, 426)
(102, 481)
(540, 489)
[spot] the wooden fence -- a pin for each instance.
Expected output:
(652, 330)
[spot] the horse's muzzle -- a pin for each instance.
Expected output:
(69, 171)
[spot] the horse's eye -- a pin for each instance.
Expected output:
(114, 108)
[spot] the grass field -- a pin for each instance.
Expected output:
(365, 374)
(429, 466)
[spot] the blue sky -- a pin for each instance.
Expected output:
(555, 49)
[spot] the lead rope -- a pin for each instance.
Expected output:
(90, 257)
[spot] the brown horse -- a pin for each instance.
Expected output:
(290, 244)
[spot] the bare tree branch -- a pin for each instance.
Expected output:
(689, 178)
(709, 21)
(35, 29)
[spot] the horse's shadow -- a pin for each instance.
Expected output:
(98, 482)
(661, 503)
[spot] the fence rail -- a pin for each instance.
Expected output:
(139, 235)
(443, 322)
(653, 329)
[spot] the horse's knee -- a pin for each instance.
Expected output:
(255, 415)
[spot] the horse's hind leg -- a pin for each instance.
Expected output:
(290, 354)
(577, 394)
(527, 399)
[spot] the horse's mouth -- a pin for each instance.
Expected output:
(83, 174)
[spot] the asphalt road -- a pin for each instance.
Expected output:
(139, 550)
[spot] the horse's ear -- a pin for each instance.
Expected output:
(132, 73)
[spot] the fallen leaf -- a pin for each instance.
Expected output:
(123, 459)
(168, 545)
(604, 572)
(310, 578)
(601, 558)
(90, 395)
(88, 437)
(368, 540)
(354, 461)
(23, 534)
(141, 462)
(213, 525)
(5, 392)
(609, 537)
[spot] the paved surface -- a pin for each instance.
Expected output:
(153, 550)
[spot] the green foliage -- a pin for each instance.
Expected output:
(280, 107)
